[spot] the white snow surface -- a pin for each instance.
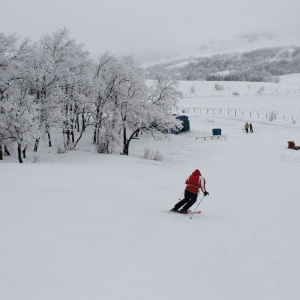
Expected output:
(86, 226)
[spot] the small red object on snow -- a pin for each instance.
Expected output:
(291, 145)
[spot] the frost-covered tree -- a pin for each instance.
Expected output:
(54, 83)
(106, 128)
(45, 87)
(125, 105)
(18, 112)
(20, 120)
(129, 99)
(163, 98)
(63, 82)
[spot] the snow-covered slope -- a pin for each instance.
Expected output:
(81, 225)
(97, 226)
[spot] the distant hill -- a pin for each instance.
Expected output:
(244, 58)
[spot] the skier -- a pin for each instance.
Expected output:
(193, 184)
(246, 127)
(251, 128)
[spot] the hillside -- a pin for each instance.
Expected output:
(245, 58)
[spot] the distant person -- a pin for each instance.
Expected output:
(246, 127)
(193, 184)
(251, 128)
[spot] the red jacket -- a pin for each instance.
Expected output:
(195, 182)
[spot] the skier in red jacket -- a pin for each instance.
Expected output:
(193, 184)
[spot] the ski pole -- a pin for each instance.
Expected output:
(181, 195)
(196, 207)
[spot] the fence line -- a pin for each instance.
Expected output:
(240, 114)
(258, 107)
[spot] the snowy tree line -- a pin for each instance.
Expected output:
(262, 65)
(55, 84)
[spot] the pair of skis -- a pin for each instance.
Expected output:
(189, 211)
(195, 212)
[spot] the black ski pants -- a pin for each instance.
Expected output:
(189, 199)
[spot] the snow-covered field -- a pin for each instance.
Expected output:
(256, 101)
(288, 84)
(85, 226)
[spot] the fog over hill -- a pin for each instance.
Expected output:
(241, 43)
(248, 57)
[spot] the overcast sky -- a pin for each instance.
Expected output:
(142, 27)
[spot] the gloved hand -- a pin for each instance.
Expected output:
(206, 193)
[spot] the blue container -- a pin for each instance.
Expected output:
(217, 131)
(183, 118)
